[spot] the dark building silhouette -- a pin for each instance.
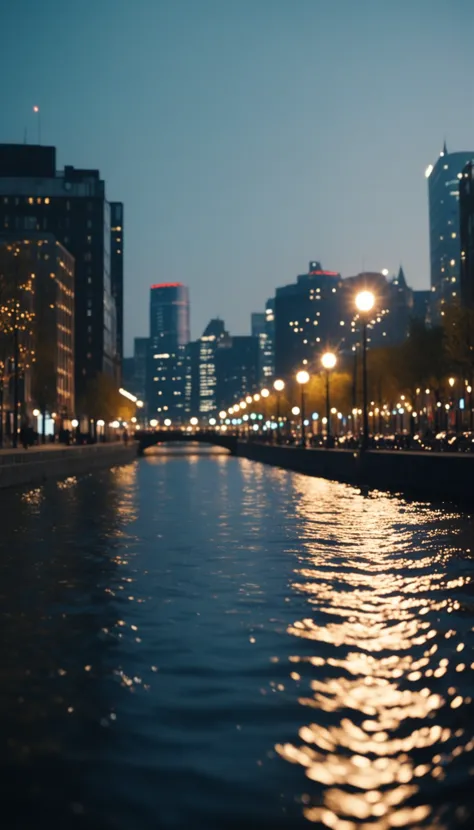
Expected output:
(237, 370)
(466, 206)
(72, 205)
(141, 347)
(421, 306)
(116, 270)
(445, 246)
(169, 337)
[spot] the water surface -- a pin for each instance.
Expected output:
(198, 641)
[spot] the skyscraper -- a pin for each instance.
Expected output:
(261, 327)
(466, 204)
(202, 369)
(116, 274)
(445, 248)
(72, 205)
(169, 336)
(237, 372)
(308, 315)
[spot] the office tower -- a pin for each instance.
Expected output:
(421, 306)
(445, 248)
(140, 362)
(202, 369)
(308, 320)
(169, 337)
(237, 369)
(466, 206)
(134, 369)
(261, 324)
(37, 359)
(72, 205)
(116, 275)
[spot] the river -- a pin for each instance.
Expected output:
(198, 641)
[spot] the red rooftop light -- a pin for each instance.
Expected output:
(166, 285)
(326, 273)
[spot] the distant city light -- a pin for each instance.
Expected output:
(385, 272)
(128, 395)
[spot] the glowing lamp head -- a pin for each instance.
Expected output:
(328, 360)
(279, 385)
(193, 422)
(223, 414)
(295, 410)
(302, 376)
(36, 412)
(243, 405)
(451, 382)
(256, 397)
(365, 301)
(249, 399)
(167, 422)
(74, 423)
(264, 393)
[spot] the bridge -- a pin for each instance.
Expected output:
(155, 437)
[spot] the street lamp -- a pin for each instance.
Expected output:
(278, 386)
(328, 361)
(364, 303)
(302, 378)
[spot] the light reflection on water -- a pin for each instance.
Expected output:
(200, 641)
(388, 628)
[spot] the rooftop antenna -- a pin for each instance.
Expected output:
(36, 110)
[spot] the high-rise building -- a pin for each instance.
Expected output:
(141, 347)
(445, 247)
(202, 369)
(466, 205)
(261, 327)
(116, 274)
(72, 205)
(38, 275)
(169, 337)
(308, 319)
(237, 369)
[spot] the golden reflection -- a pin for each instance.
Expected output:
(376, 687)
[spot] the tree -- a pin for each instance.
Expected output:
(102, 400)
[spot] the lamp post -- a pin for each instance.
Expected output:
(364, 303)
(278, 386)
(302, 378)
(328, 361)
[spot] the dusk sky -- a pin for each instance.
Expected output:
(246, 137)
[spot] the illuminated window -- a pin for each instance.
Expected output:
(47, 200)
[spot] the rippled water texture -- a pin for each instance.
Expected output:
(202, 642)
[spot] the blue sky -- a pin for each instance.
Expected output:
(247, 137)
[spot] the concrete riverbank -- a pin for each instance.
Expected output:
(423, 475)
(37, 464)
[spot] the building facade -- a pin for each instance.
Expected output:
(169, 337)
(309, 319)
(444, 227)
(40, 273)
(237, 370)
(466, 224)
(262, 328)
(202, 369)
(116, 275)
(72, 205)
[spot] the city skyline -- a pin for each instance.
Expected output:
(243, 145)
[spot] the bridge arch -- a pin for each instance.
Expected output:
(152, 438)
